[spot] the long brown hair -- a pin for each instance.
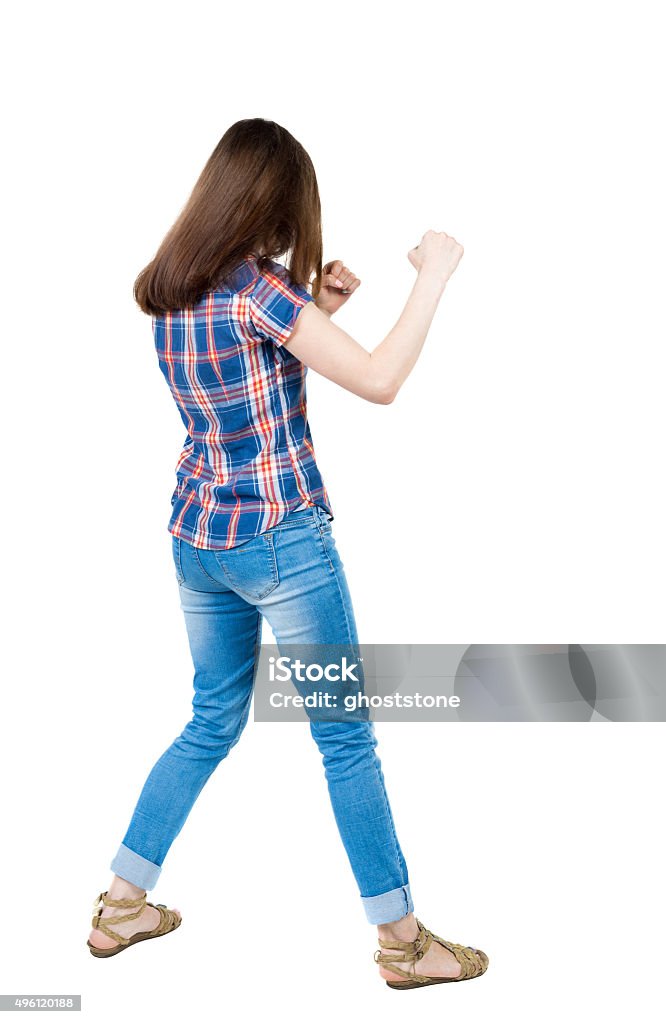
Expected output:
(257, 194)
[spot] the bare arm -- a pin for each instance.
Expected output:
(377, 376)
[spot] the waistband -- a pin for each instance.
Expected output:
(297, 516)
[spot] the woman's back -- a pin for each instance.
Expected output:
(248, 458)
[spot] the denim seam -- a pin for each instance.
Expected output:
(179, 569)
(392, 825)
(328, 557)
(242, 722)
(337, 582)
(389, 816)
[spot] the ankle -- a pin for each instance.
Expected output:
(404, 930)
(121, 889)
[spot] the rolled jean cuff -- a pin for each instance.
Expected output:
(134, 868)
(388, 906)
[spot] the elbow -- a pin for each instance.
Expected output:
(384, 393)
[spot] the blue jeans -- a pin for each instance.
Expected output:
(293, 576)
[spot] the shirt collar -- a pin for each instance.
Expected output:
(245, 272)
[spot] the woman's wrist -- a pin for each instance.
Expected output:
(432, 277)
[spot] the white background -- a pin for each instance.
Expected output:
(513, 492)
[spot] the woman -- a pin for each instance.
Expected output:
(235, 332)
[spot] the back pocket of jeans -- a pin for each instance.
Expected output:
(251, 568)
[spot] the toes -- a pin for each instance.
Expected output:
(481, 957)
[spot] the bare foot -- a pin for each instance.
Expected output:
(438, 962)
(147, 920)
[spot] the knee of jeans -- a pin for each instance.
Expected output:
(345, 745)
(217, 735)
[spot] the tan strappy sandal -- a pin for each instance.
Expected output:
(169, 921)
(473, 962)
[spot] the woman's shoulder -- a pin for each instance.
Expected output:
(274, 277)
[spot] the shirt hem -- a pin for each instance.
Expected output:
(240, 539)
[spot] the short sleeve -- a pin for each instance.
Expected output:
(275, 303)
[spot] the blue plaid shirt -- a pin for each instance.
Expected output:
(248, 458)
